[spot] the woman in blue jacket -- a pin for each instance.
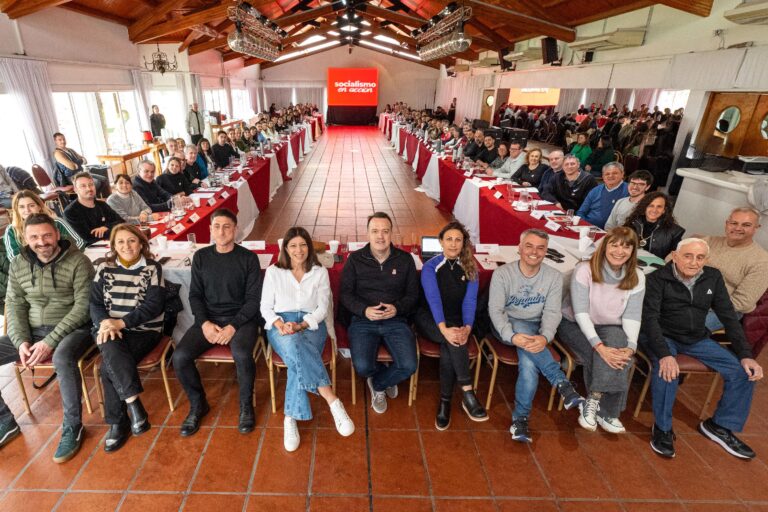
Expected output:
(446, 316)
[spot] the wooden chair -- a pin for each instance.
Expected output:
(342, 342)
(157, 357)
(275, 363)
(688, 366)
(431, 349)
(499, 352)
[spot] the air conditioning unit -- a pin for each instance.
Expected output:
(488, 62)
(749, 13)
(620, 38)
(527, 54)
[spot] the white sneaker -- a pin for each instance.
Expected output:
(378, 398)
(588, 416)
(612, 425)
(344, 425)
(291, 437)
(392, 391)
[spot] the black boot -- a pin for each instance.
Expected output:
(117, 436)
(247, 419)
(443, 418)
(472, 406)
(139, 417)
(191, 423)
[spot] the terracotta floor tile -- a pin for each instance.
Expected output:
(509, 465)
(715, 507)
(154, 502)
(257, 503)
(526, 506)
(43, 473)
(114, 471)
(227, 462)
(29, 501)
(172, 462)
(590, 506)
(447, 451)
(341, 465)
(402, 504)
(653, 507)
(89, 502)
(208, 502)
(397, 467)
(19, 452)
(457, 505)
(335, 504)
(280, 471)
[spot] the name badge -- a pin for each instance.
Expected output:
(178, 228)
(468, 173)
(498, 195)
(224, 195)
(212, 201)
(552, 225)
(487, 248)
(194, 217)
(538, 214)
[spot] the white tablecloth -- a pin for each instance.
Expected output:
(430, 183)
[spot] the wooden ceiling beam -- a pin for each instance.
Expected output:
(193, 34)
(231, 56)
(207, 45)
(545, 27)
(621, 9)
(89, 11)
(27, 7)
(156, 15)
(396, 17)
(490, 34)
(251, 61)
(301, 17)
(178, 24)
(322, 30)
(701, 8)
(267, 65)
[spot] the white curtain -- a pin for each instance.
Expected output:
(569, 101)
(468, 91)
(28, 83)
(141, 91)
(181, 86)
(280, 96)
(622, 97)
(310, 95)
(254, 86)
(197, 89)
(643, 97)
(228, 91)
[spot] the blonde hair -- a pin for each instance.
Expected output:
(17, 223)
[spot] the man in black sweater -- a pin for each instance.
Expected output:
(153, 194)
(224, 296)
(93, 220)
(677, 300)
(380, 288)
(571, 186)
(173, 179)
(475, 146)
(222, 151)
(489, 153)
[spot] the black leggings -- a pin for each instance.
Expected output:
(454, 361)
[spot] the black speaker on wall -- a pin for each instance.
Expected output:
(549, 50)
(589, 55)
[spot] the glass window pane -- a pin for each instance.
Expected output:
(89, 126)
(130, 116)
(15, 150)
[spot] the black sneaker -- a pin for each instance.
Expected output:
(571, 398)
(9, 431)
(71, 441)
(519, 430)
(663, 442)
(726, 439)
(443, 417)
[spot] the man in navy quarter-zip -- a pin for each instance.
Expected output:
(380, 288)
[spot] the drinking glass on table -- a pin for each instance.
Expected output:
(592, 233)
(534, 205)
(192, 239)
(569, 217)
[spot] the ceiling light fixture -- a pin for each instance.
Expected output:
(443, 34)
(254, 35)
(160, 62)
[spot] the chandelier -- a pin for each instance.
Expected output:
(254, 34)
(160, 62)
(443, 34)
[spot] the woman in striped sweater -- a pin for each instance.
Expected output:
(127, 307)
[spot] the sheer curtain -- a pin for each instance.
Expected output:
(468, 91)
(141, 91)
(197, 89)
(310, 95)
(280, 96)
(28, 84)
(569, 101)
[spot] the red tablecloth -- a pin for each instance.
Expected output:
(451, 181)
(282, 161)
(403, 135)
(389, 128)
(425, 155)
(411, 143)
(313, 123)
(296, 142)
(258, 182)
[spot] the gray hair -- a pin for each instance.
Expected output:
(571, 156)
(190, 147)
(691, 240)
(147, 162)
(617, 165)
(555, 152)
(746, 209)
(534, 231)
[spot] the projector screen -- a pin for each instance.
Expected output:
(353, 87)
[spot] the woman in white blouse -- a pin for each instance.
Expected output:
(294, 304)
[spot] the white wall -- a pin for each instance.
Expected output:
(399, 80)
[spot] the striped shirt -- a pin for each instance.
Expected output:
(136, 295)
(13, 246)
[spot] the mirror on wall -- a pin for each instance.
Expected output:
(728, 120)
(764, 127)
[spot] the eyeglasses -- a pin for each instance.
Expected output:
(637, 183)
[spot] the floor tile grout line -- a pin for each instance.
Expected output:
(364, 396)
(311, 466)
(254, 467)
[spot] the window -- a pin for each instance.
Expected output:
(215, 100)
(98, 123)
(16, 151)
(673, 99)
(241, 104)
(172, 107)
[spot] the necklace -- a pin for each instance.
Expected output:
(645, 240)
(453, 264)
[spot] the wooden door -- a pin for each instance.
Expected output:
(488, 105)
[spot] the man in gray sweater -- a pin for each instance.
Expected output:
(525, 309)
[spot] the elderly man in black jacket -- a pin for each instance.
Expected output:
(677, 300)
(145, 185)
(380, 288)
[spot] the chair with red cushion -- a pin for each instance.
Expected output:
(52, 195)
(157, 357)
(499, 352)
(275, 363)
(223, 354)
(431, 349)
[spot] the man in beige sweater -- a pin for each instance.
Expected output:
(743, 263)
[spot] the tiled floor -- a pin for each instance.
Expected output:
(394, 462)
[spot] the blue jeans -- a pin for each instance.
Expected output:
(302, 353)
(733, 408)
(529, 368)
(365, 336)
(713, 323)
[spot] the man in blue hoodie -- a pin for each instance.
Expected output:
(599, 203)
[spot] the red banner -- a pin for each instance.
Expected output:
(353, 87)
